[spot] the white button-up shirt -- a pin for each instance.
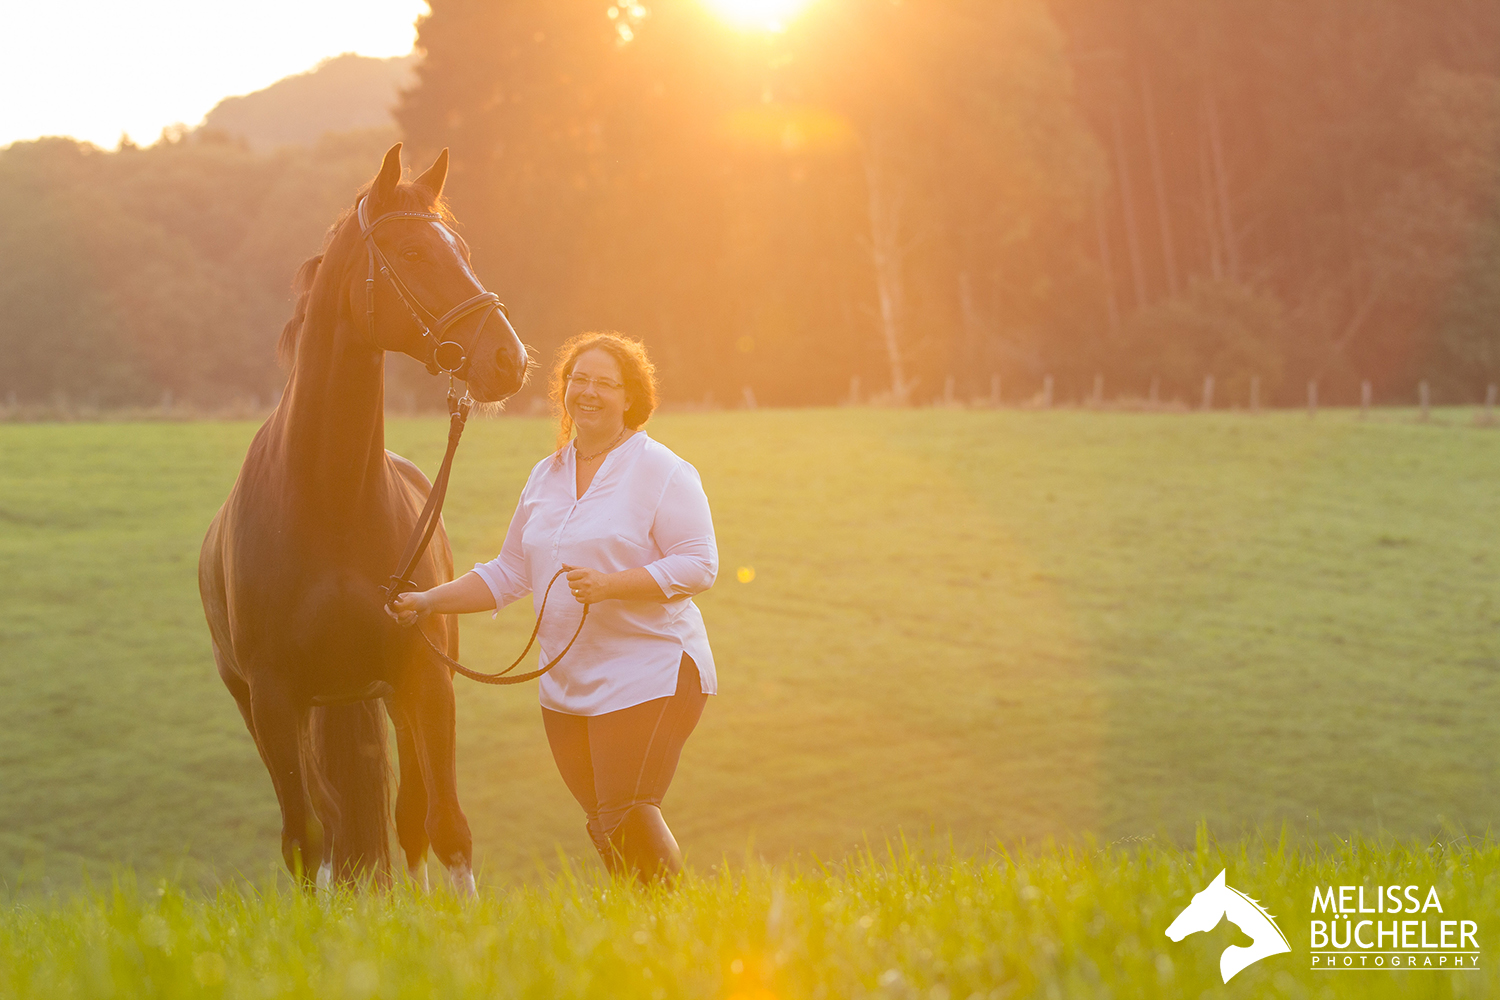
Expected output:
(644, 508)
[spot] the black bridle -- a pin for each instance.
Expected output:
(447, 357)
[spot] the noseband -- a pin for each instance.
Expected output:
(445, 357)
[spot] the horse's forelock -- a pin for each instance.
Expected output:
(410, 197)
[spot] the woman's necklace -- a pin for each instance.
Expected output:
(590, 458)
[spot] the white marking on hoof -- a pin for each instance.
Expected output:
(325, 876)
(418, 874)
(462, 877)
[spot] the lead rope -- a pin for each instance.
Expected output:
(499, 677)
(421, 536)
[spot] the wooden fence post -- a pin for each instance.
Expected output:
(1254, 393)
(1365, 393)
(1425, 394)
(948, 391)
(995, 390)
(749, 395)
(854, 391)
(1047, 392)
(1208, 392)
(1489, 403)
(1099, 389)
(1155, 390)
(1312, 398)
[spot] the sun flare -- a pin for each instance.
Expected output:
(766, 15)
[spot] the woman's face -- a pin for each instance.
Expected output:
(595, 396)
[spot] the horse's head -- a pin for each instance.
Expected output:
(425, 300)
(1203, 913)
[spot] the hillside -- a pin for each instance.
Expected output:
(340, 94)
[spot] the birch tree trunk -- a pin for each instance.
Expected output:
(1221, 177)
(974, 331)
(888, 249)
(1209, 211)
(1102, 231)
(1127, 202)
(1158, 174)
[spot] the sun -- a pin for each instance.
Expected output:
(765, 15)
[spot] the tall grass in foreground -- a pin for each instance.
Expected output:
(1051, 922)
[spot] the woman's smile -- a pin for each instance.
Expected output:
(595, 398)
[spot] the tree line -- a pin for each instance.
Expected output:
(164, 271)
(891, 194)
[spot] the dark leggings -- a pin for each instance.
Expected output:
(621, 759)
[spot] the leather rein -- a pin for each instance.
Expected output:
(448, 357)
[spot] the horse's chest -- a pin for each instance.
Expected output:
(323, 623)
(305, 586)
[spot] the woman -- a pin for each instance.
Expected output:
(628, 522)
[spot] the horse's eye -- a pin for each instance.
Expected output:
(412, 254)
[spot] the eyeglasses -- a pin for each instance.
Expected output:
(582, 382)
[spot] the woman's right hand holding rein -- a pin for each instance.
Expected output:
(468, 594)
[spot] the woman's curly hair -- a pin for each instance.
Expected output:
(636, 369)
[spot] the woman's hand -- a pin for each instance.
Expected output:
(410, 606)
(589, 586)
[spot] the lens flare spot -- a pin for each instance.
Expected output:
(746, 344)
(745, 574)
(764, 15)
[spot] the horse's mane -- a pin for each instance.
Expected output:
(286, 347)
(409, 198)
(1263, 911)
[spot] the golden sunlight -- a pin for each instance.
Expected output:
(765, 15)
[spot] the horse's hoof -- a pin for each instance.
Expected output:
(325, 876)
(462, 877)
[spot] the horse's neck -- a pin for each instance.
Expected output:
(1265, 938)
(333, 422)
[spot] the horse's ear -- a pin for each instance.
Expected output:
(1219, 880)
(433, 179)
(390, 175)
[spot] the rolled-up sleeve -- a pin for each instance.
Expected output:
(683, 531)
(507, 575)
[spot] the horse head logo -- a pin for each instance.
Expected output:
(1218, 901)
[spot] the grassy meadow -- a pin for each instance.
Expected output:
(973, 627)
(1075, 923)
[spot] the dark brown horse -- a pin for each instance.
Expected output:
(293, 567)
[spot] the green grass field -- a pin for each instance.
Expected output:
(990, 626)
(1078, 923)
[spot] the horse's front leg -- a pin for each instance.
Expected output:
(280, 726)
(411, 800)
(424, 697)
